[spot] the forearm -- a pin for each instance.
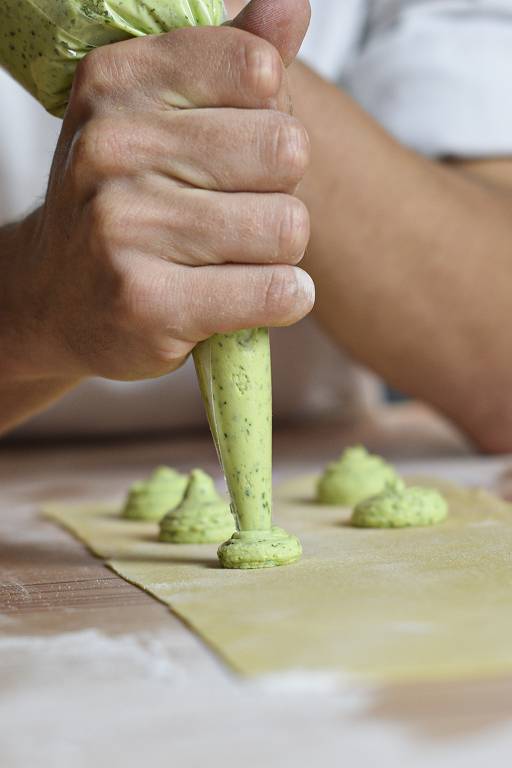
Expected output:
(412, 261)
(21, 400)
(27, 384)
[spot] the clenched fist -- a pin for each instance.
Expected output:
(170, 212)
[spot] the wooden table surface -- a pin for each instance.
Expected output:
(95, 672)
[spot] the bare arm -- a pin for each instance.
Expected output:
(26, 383)
(412, 261)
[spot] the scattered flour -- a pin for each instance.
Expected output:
(86, 699)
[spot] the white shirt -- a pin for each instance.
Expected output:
(435, 73)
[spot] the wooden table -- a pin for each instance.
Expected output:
(94, 672)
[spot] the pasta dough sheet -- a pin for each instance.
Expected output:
(378, 605)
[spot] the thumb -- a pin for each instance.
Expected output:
(283, 23)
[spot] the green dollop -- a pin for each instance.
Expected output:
(202, 517)
(355, 476)
(401, 507)
(151, 499)
(260, 549)
(42, 41)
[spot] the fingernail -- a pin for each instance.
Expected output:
(306, 286)
(264, 74)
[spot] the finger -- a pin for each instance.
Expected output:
(186, 68)
(283, 23)
(192, 304)
(234, 150)
(197, 228)
(218, 149)
(217, 228)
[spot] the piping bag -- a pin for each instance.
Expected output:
(41, 43)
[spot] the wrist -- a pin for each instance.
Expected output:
(27, 351)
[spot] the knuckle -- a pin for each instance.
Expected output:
(260, 68)
(289, 151)
(111, 276)
(139, 294)
(294, 228)
(98, 148)
(94, 76)
(128, 301)
(101, 219)
(111, 73)
(106, 236)
(82, 155)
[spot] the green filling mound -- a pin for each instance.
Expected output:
(401, 507)
(355, 476)
(260, 549)
(151, 499)
(202, 517)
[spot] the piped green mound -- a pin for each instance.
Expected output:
(260, 549)
(355, 476)
(202, 517)
(151, 499)
(401, 507)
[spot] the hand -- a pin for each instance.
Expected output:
(170, 212)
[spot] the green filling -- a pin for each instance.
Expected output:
(202, 517)
(401, 507)
(355, 476)
(235, 378)
(260, 549)
(234, 374)
(151, 499)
